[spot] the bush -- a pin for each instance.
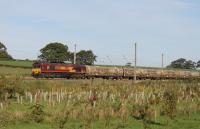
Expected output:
(169, 104)
(37, 113)
(5, 119)
(116, 105)
(10, 86)
(61, 119)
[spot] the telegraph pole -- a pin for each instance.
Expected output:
(162, 64)
(135, 61)
(162, 60)
(74, 53)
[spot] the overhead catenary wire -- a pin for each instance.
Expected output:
(109, 60)
(125, 59)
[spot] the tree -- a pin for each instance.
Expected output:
(3, 53)
(55, 52)
(84, 57)
(2, 47)
(128, 64)
(182, 64)
(190, 64)
(179, 63)
(198, 64)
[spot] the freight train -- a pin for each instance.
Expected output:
(62, 70)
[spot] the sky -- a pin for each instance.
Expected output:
(108, 27)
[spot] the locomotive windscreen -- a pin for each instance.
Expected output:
(36, 65)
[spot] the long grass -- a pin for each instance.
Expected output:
(8, 71)
(101, 104)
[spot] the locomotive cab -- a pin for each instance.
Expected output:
(36, 70)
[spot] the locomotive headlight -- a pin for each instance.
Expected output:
(71, 69)
(36, 70)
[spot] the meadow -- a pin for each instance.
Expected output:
(17, 63)
(99, 104)
(16, 68)
(10, 71)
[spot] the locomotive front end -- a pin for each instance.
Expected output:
(36, 70)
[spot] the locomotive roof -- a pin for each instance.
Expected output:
(47, 63)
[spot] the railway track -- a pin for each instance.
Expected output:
(73, 79)
(32, 78)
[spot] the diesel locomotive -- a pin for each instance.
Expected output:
(62, 70)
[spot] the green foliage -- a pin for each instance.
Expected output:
(3, 53)
(55, 52)
(37, 113)
(5, 56)
(182, 64)
(116, 105)
(198, 64)
(108, 118)
(169, 104)
(84, 57)
(141, 112)
(128, 64)
(66, 104)
(5, 119)
(145, 116)
(61, 119)
(190, 64)
(10, 86)
(2, 47)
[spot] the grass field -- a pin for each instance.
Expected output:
(16, 68)
(181, 123)
(17, 63)
(10, 71)
(98, 104)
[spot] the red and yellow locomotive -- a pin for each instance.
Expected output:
(57, 70)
